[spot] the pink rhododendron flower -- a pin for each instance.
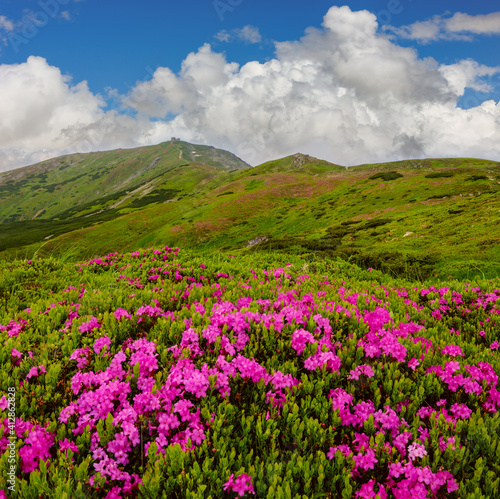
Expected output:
(345, 449)
(494, 345)
(443, 444)
(66, 444)
(359, 370)
(34, 371)
(321, 359)
(413, 363)
(120, 313)
(36, 447)
(241, 485)
(340, 398)
(102, 343)
(367, 491)
(86, 327)
(367, 461)
(16, 353)
(377, 319)
(4, 403)
(81, 355)
(452, 350)
(461, 411)
(416, 450)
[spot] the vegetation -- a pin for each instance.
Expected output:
(324, 332)
(162, 373)
(429, 221)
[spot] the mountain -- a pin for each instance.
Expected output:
(299, 163)
(78, 190)
(85, 183)
(420, 218)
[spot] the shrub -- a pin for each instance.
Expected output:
(386, 176)
(439, 175)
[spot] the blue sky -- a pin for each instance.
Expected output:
(114, 46)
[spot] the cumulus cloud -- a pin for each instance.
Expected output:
(42, 115)
(247, 34)
(469, 74)
(458, 27)
(344, 92)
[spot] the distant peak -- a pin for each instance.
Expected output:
(300, 159)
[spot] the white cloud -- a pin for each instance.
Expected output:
(6, 27)
(346, 93)
(42, 115)
(488, 24)
(468, 74)
(6, 24)
(247, 34)
(458, 27)
(223, 36)
(66, 15)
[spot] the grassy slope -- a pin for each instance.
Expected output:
(413, 225)
(72, 192)
(80, 184)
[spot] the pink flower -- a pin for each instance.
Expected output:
(452, 350)
(366, 461)
(377, 319)
(443, 444)
(81, 355)
(120, 313)
(494, 345)
(320, 359)
(242, 484)
(367, 491)
(36, 447)
(4, 403)
(413, 363)
(358, 370)
(340, 398)
(34, 371)
(16, 353)
(416, 450)
(461, 411)
(101, 343)
(300, 338)
(66, 444)
(86, 327)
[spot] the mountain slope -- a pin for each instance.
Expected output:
(417, 218)
(85, 183)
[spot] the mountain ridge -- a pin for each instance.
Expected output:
(25, 193)
(429, 217)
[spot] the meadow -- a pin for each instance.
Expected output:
(416, 219)
(178, 374)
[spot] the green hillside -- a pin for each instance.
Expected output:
(417, 218)
(80, 190)
(80, 184)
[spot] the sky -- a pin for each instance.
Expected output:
(350, 82)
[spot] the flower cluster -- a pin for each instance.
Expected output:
(242, 484)
(391, 367)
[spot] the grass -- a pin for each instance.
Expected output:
(429, 220)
